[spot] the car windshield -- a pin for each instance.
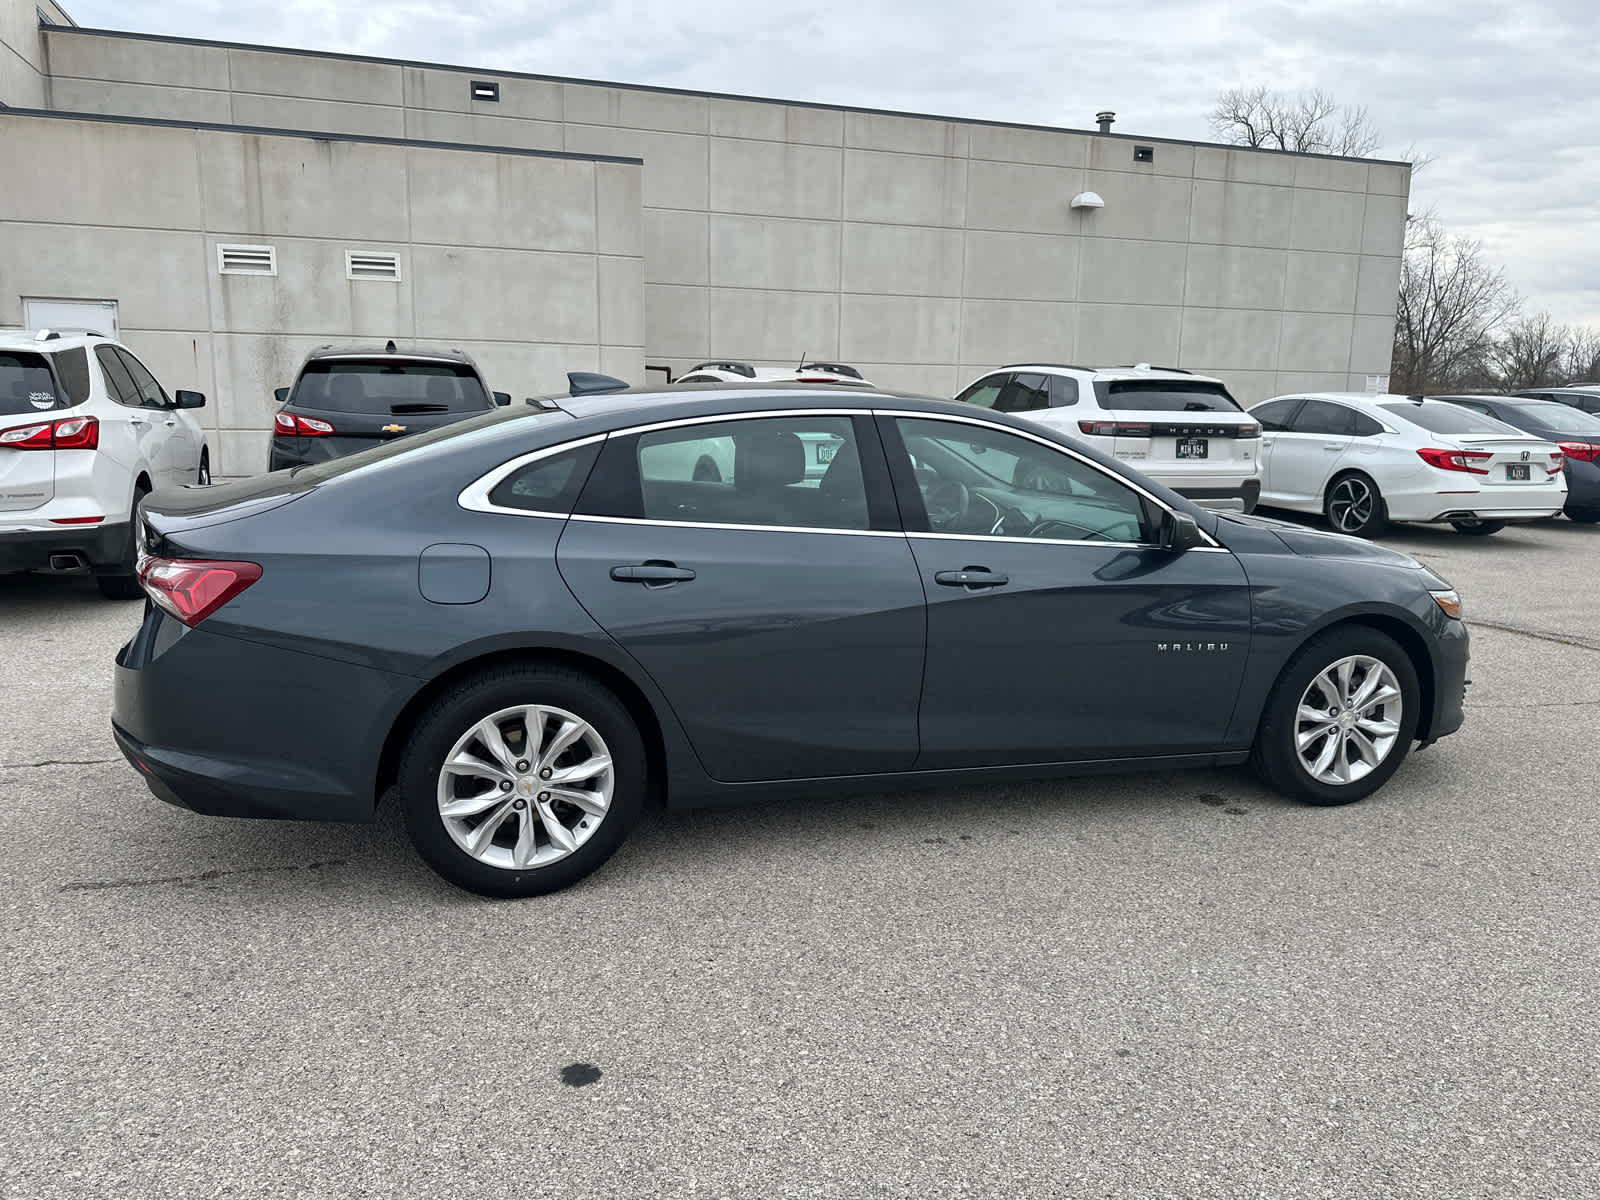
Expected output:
(26, 385)
(1164, 395)
(1443, 417)
(1559, 418)
(383, 385)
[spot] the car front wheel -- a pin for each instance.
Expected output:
(522, 780)
(1341, 718)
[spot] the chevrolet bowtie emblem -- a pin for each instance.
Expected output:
(394, 429)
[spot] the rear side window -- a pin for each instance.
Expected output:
(1367, 426)
(547, 485)
(26, 384)
(1164, 395)
(1447, 418)
(72, 368)
(377, 386)
(1063, 391)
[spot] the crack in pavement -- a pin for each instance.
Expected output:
(1561, 639)
(98, 885)
(58, 762)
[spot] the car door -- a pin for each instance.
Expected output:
(179, 449)
(128, 433)
(779, 612)
(1275, 417)
(1057, 630)
(1305, 454)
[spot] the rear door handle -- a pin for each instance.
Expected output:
(135, 420)
(1333, 445)
(972, 577)
(652, 574)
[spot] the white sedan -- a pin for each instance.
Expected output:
(1363, 460)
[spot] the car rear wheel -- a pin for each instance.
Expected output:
(1354, 505)
(1478, 528)
(121, 582)
(1585, 517)
(522, 780)
(1341, 718)
(204, 476)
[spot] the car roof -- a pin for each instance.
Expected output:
(45, 341)
(670, 403)
(1118, 374)
(383, 350)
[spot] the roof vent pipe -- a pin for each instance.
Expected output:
(1105, 119)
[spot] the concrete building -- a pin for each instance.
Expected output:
(547, 224)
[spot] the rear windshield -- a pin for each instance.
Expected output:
(26, 384)
(1442, 417)
(389, 386)
(455, 436)
(1164, 395)
(1559, 418)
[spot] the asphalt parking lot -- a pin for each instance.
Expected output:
(1158, 985)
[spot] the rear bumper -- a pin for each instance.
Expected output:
(1247, 494)
(31, 550)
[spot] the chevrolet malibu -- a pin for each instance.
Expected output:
(525, 626)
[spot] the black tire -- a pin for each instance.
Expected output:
(203, 478)
(1586, 517)
(1274, 755)
(121, 582)
(1478, 528)
(1353, 505)
(455, 712)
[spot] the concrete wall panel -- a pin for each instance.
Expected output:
(1386, 180)
(902, 260)
(136, 60)
(506, 295)
(905, 329)
(996, 331)
(1021, 198)
(938, 380)
(318, 116)
(1153, 207)
(677, 246)
(675, 173)
(258, 187)
(1223, 340)
(1327, 221)
(629, 108)
(451, 91)
(1384, 229)
(1316, 341)
(21, 86)
(1378, 288)
(777, 326)
(1241, 214)
(315, 77)
(518, 201)
(759, 252)
(772, 179)
(140, 100)
(149, 272)
(1132, 272)
(677, 321)
(1234, 276)
(78, 173)
(1030, 146)
(1109, 334)
(905, 135)
(1371, 345)
(477, 129)
(1332, 174)
(1242, 166)
(1116, 154)
(904, 189)
(619, 224)
(621, 301)
(1321, 283)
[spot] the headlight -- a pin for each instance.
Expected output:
(1449, 601)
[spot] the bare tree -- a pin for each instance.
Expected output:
(1581, 363)
(1309, 122)
(1531, 353)
(1451, 303)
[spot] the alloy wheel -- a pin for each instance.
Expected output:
(1348, 720)
(525, 787)
(1351, 505)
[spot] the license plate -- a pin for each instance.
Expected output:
(1193, 448)
(826, 451)
(1517, 471)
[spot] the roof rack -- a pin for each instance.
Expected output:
(54, 335)
(723, 364)
(832, 369)
(1149, 367)
(1060, 366)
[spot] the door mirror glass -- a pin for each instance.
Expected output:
(502, 399)
(185, 399)
(282, 395)
(1179, 532)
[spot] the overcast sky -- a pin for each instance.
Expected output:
(1504, 96)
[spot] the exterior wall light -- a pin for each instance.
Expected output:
(1088, 200)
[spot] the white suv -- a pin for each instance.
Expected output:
(728, 371)
(85, 432)
(1181, 429)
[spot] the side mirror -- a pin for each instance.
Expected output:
(1179, 532)
(189, 399)
(502, 399)
(282, 394)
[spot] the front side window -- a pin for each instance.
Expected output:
(118, 382)
(990, 482)
(26, 384)
(1275, 415)
(150, 393)
(1025, 393)
(796, 471)
(1328, 420)
(983, 393)
(389, 386)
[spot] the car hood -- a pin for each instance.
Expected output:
(1314, 543)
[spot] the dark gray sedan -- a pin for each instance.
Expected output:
(531, 623)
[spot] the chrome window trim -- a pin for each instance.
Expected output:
(879, 533)
(724, 418)
(1212, 543)
(475, 496)
(1031, 541)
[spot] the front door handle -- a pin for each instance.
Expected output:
(972, 577)
(1333, 445)
(652, 574)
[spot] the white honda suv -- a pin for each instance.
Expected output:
(1181, 429)
(85, 432)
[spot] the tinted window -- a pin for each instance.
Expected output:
(26, 385)
(1437, 417)
(1367, 426)
(548, 484)
(1558, 418)
(388, 386)
(799, 471)
(72, 368)
(150, 393)
(1274, 414)
(1164, 395)
(1024, 393)
(430, 443)
(984, 392)
(1063, 391)
(1330, 420)
(988, 481)
(118, 382)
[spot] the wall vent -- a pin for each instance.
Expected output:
(247, 260)
(485, 89)
(1144, 154)
(365, 264)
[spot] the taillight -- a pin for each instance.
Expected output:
(192, 590)
(291, 425)
(1558, 461)
(69, 433)
(1250, 431)
(1456, 460)
(1582, 451)
(1115, 428)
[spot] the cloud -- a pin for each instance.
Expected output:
(1499, 96)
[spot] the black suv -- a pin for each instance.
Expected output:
(350, 398)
